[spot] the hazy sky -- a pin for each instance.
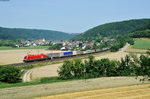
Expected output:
(73, 16)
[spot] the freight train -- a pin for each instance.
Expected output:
(30, 58)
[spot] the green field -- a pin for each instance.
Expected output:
(12, 48)
(141, 44)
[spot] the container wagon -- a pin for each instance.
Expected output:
(53, 55)
(63, 54)
(90, 51)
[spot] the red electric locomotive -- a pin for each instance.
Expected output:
(30, 58)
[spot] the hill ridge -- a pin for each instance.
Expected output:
(33, 34)
(114, 28)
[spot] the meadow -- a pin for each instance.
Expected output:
(142, 44)
(31, 47)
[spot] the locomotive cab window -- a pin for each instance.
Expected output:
(25, 57)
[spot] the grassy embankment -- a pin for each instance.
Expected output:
(42, 81)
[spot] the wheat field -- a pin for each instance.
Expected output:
(129, 92)
(17, 56)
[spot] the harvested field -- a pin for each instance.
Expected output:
(45, 71)
(113, 56)
(129, 92)
(16, 56)
(26, 92)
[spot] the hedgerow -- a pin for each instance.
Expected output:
(91, 68)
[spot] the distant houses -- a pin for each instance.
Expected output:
(33, 43)
(76, 45)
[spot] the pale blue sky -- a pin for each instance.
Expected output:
(73, 16)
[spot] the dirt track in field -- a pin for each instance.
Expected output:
(26, 92)
(16, 56)
(129, 92)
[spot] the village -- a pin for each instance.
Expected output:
(64, 45)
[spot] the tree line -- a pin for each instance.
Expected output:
(11, 43)
(131, 65)
(141, 34)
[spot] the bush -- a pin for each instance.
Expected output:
(10, 74)
(65, 71)
(114, 48)
(77, 68)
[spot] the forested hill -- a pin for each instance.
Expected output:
(114, 28)
(33, 34)
(141, 31)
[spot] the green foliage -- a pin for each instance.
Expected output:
(65, 72)
(10, 74)
(121, 41)
(114, 48)
(28, 67)
(33, 34)
(78, 68)
(103, 45)
(142, 66)
(9, 43)
(44, 80)
(110, 67)
(55, 47)
(95, 46)
(91, 68)
(130, 41)
(124, 68)
(141, 34)
(143, 26)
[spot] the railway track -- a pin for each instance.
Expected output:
(53, 60)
